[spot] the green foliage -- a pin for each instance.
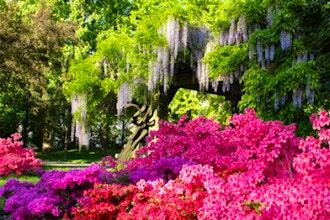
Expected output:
(84, 75)
(195, 104)
(226, 59)
(116, 41)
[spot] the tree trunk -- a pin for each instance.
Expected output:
(142, 121)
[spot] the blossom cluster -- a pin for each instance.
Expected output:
(195, 169)
(248, 144)
(14, 158)
(165, 168)
(52, 196)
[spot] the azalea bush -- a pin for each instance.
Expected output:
(16, 159)
(247, 142)
(195, 169)
(52, 196)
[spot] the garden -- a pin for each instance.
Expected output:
(165, 109)
(193, 169)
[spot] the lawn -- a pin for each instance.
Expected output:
(74, 156)
(31, 176)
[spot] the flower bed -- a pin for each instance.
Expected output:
(14, 158)
(195, 169)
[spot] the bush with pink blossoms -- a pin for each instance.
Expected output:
(248, 144)
(165, 168)
(14, 158)
(196, 170)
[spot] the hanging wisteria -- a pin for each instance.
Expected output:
(285, 39)
(270, 17)
(163, 67)
(202, 75)
(173, 36)
(198, 42)
(215, 85)
(267, 54)
(305, 57)
(124, 97)
(297, 98)
(310, 98)
(283, 99)
(258, 99)
(231, 78)
(308, 86)
(223, 38)
(276, 102)
(184, 36)
(260, 51)
(242, 28)
(153, 77)
(309, 91)
(251, 52)
(80, 130)
(225, 83)
(231, 36)
(237, 33)
(271, 52)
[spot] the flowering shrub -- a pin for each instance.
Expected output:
(145, 200)
(108, 161)
(14, 158)
(195, 170)
(165, 168)
(52, 196)
(315, 156)
(249, 144)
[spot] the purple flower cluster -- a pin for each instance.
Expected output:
(165, 168)
(55, 193)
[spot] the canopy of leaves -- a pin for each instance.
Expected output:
(194, 104)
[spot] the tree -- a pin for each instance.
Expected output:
(263, 46)
(32, 62)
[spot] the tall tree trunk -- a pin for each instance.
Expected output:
(142, 120)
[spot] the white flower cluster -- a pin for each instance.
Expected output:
(202, 75)
(179, 39)
(237, 33)
(80, 130)
(124, 97)
(198, 43)
(226, 83)
(215, 85)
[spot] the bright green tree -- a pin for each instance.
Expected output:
(269, 47)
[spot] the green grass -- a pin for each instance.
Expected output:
(74, 156)
(24, 177)
(31, 176)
